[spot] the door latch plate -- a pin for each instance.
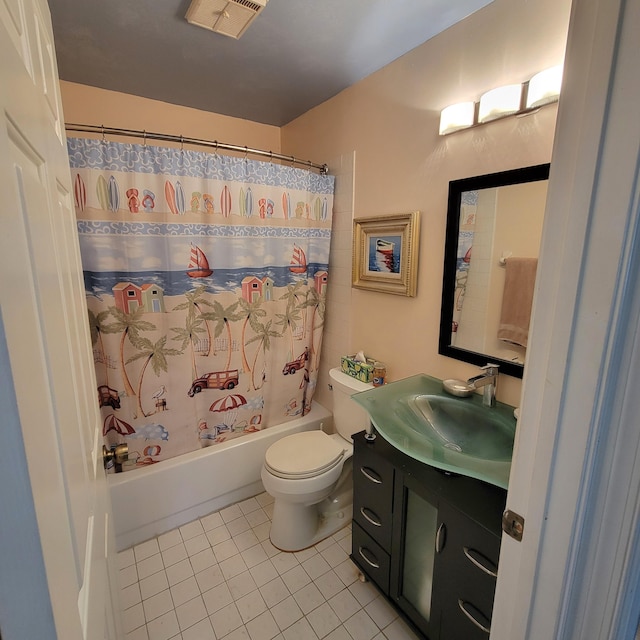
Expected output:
(513, 524)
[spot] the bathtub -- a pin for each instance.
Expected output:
(151, 501)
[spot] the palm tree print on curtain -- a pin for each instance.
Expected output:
(205, 300)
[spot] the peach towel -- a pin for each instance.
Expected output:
(517, 298)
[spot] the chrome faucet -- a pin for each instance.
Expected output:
(489, 380)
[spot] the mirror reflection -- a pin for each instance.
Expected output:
(494, 226)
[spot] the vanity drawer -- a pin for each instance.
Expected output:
(370, 557)
(373, 497)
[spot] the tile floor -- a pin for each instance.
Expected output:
(220, 577)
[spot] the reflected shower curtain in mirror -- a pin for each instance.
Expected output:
(468, 211)
(206, 282)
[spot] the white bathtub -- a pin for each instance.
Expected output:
(150, 501)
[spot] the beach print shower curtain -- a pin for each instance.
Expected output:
(206, 281)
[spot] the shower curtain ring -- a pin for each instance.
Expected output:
(293, 160)
(181, 144)
(144, 137)
(103, 138)
(246, 151)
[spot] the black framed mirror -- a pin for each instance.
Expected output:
(500, 215)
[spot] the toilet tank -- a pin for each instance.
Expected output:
(348, 416)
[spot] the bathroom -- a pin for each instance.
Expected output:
(416, 179)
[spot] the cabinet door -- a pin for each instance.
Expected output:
(418, 535)
(466, 574)
(373, 494)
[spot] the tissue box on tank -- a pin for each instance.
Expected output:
(359, 370)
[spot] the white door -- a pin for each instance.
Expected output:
(48, 358)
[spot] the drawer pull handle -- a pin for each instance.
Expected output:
(375, 522)
(483, 563)
(375, 565)
(370, 474)
(463, 608)
(441, 537)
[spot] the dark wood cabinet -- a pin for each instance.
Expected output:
(429, 540)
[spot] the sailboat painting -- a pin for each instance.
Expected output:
(384, 253)
(198, 264)
(298, 262)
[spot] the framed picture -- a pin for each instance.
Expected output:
(385, 253)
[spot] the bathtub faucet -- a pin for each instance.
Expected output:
(489, 380)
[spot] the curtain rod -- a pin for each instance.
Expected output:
(148, 135)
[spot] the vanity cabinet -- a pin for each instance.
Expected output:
(429, 540)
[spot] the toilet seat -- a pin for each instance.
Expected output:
(303, 455)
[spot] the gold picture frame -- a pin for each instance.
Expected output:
(385, 253)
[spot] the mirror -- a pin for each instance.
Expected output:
(500, 216)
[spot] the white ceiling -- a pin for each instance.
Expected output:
(296, 55)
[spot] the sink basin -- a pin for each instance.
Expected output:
(459, 435)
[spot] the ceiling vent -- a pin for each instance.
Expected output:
(228, 17)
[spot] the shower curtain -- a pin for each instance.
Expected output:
(206, 282)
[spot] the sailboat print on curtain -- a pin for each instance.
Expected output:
(298, 262)
(198, 266)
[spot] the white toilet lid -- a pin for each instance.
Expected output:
(303, 455)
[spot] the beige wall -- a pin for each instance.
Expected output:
(90, 105)
(391, 119)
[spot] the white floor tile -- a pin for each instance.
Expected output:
(316, 566)
(200, 631)
(128, 576)
(149, 566)
(274, 592)
(218, 535)
(287, 612)
(250, 606)
(308, 598)
(209, 578)
(191, 530)
(361, 627)
(226, 620)
(301, 630)
(323, 620)
(146, 549)
(184, 591)
(202, 560)
(133, 618)
(329, 584)
(233, 566)
(174, 554)
(241, 585)
(231, 513)
(196, 544)
(164, 628)
(217, 598)
(381, 612)
(263, 627)
(296, 578)
(239, 525)
(254, 555)
(211, 521)
(344, 604)
(157, 605)
(247, 506)
(138, 634)
(126, 558)
(191, 612)
(179, 572)
(153, 584)
(220, 578)
(130, 595)
(169, 539)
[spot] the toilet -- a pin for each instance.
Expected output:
(309, 473)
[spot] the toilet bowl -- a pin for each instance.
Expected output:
(309, 474)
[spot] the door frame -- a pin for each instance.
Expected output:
(576, 467)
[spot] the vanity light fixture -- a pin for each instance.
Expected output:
(457, 116)
(544, 87)
(500, 102)
(513, 99)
